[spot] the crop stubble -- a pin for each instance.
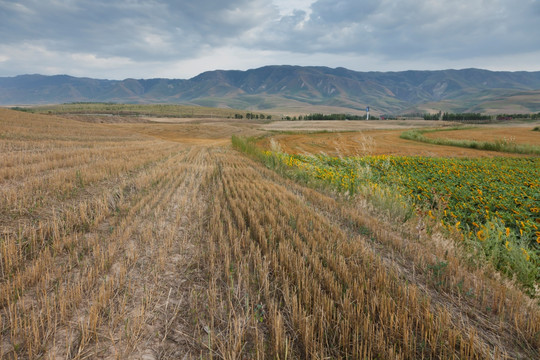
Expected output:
(388, 142)
(120, 245)
(330, 292)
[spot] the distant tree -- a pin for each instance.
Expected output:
(464, 116)
(436, 116)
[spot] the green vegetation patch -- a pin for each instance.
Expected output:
(504, 145)
(493, 205)
(468, 191)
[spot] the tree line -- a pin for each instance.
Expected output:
(456, 116)
(319, 116)
(253, 116)
(477, 116)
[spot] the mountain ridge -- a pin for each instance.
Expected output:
(296, 88)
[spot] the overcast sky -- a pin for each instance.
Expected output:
(117, 39)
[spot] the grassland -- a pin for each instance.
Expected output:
(161, 241)
(157, 110)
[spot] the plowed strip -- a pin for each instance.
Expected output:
(376, 142)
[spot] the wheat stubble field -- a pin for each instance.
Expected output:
(157, 241)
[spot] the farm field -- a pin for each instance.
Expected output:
(203, 132)
(519, 135)
(161, 241)
(356, 125)
(477, 198)
(133, 110)
(371, 142)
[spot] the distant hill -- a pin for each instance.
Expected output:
(297, 89)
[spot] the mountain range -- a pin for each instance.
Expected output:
(297, 89)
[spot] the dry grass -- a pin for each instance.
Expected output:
(336, 282)
(518, 135)
(356, 125)
(372, 142)
(123, 242)
(96, 230)
(129, 110)
(207, 132)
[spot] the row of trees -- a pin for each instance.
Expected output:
(335, 117)
(253, 116)
(464, 116)
(518, 116)
(456, 117)
(477, 116)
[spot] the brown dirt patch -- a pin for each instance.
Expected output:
(519, 135)
(202, 133)
(376, 142)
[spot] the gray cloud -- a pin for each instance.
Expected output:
(343, 11)
(409, 28)
(146, 37)
(142, 29)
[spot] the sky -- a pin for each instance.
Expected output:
(118, 39)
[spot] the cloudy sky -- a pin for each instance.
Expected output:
(117, 39)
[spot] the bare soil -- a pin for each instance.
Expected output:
(519, 135)
(375, 142)
(201, 131)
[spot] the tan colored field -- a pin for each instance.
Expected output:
(159, 241)
(107, 110)
(519, 135)
(203, 131)
(375, 142)
(357, 125)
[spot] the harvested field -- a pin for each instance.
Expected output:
(356, 125)
(374, 142)
(98, 246)
(518, 135)
(106, 119)
(206, 131)
(130, 241)
(137, 110)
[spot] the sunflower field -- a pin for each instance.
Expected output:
(464, 194)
